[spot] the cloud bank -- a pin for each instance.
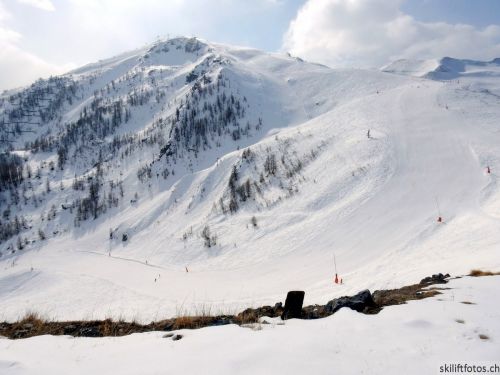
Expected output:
(371, 33)
(18, 66)
(40, 4)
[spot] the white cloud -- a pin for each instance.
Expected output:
(40, 4)
(368, 33)
(19, 67)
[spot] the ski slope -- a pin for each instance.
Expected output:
(374, 203)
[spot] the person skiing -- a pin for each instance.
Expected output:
(368, 133)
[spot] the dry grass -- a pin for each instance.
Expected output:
(404, 294)
(31, 322)
(478, 273)
(192, 322)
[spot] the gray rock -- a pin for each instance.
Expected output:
(314, 312)
(69, 329)
(358, 302)
(21, 333)
(438, 278)
(168, 326)
(89, 332)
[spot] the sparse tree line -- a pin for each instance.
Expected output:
(11, 171)
(97, 199)
(40, 103)
(281, 167)
(11, 227)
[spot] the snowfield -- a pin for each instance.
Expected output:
(257, 204)
(416, 338)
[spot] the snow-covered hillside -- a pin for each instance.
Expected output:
(446, 68)
(187, 174)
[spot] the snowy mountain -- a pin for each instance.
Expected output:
(446, 68)
(187, 173)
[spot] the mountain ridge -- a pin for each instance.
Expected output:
(446, 68)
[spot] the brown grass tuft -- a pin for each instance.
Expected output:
(478, 273)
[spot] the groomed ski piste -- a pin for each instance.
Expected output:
(372, 202)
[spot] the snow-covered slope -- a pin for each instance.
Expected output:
(447, 68)
(422, 337)
(188, 174)
(415, 68)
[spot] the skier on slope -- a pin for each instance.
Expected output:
(368, 133)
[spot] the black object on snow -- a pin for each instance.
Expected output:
(293, 305)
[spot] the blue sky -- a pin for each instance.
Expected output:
(42, 37)
(479, 13)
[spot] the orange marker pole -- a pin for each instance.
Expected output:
(335, 264)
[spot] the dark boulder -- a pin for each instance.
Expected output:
(314, 312)
(69, 329)
(360, 302)
(221, 321)
(21, 333)
(167, 326)
(252, 315)
(89, 332)
(438, 278)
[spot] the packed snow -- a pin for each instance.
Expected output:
(415, 338)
